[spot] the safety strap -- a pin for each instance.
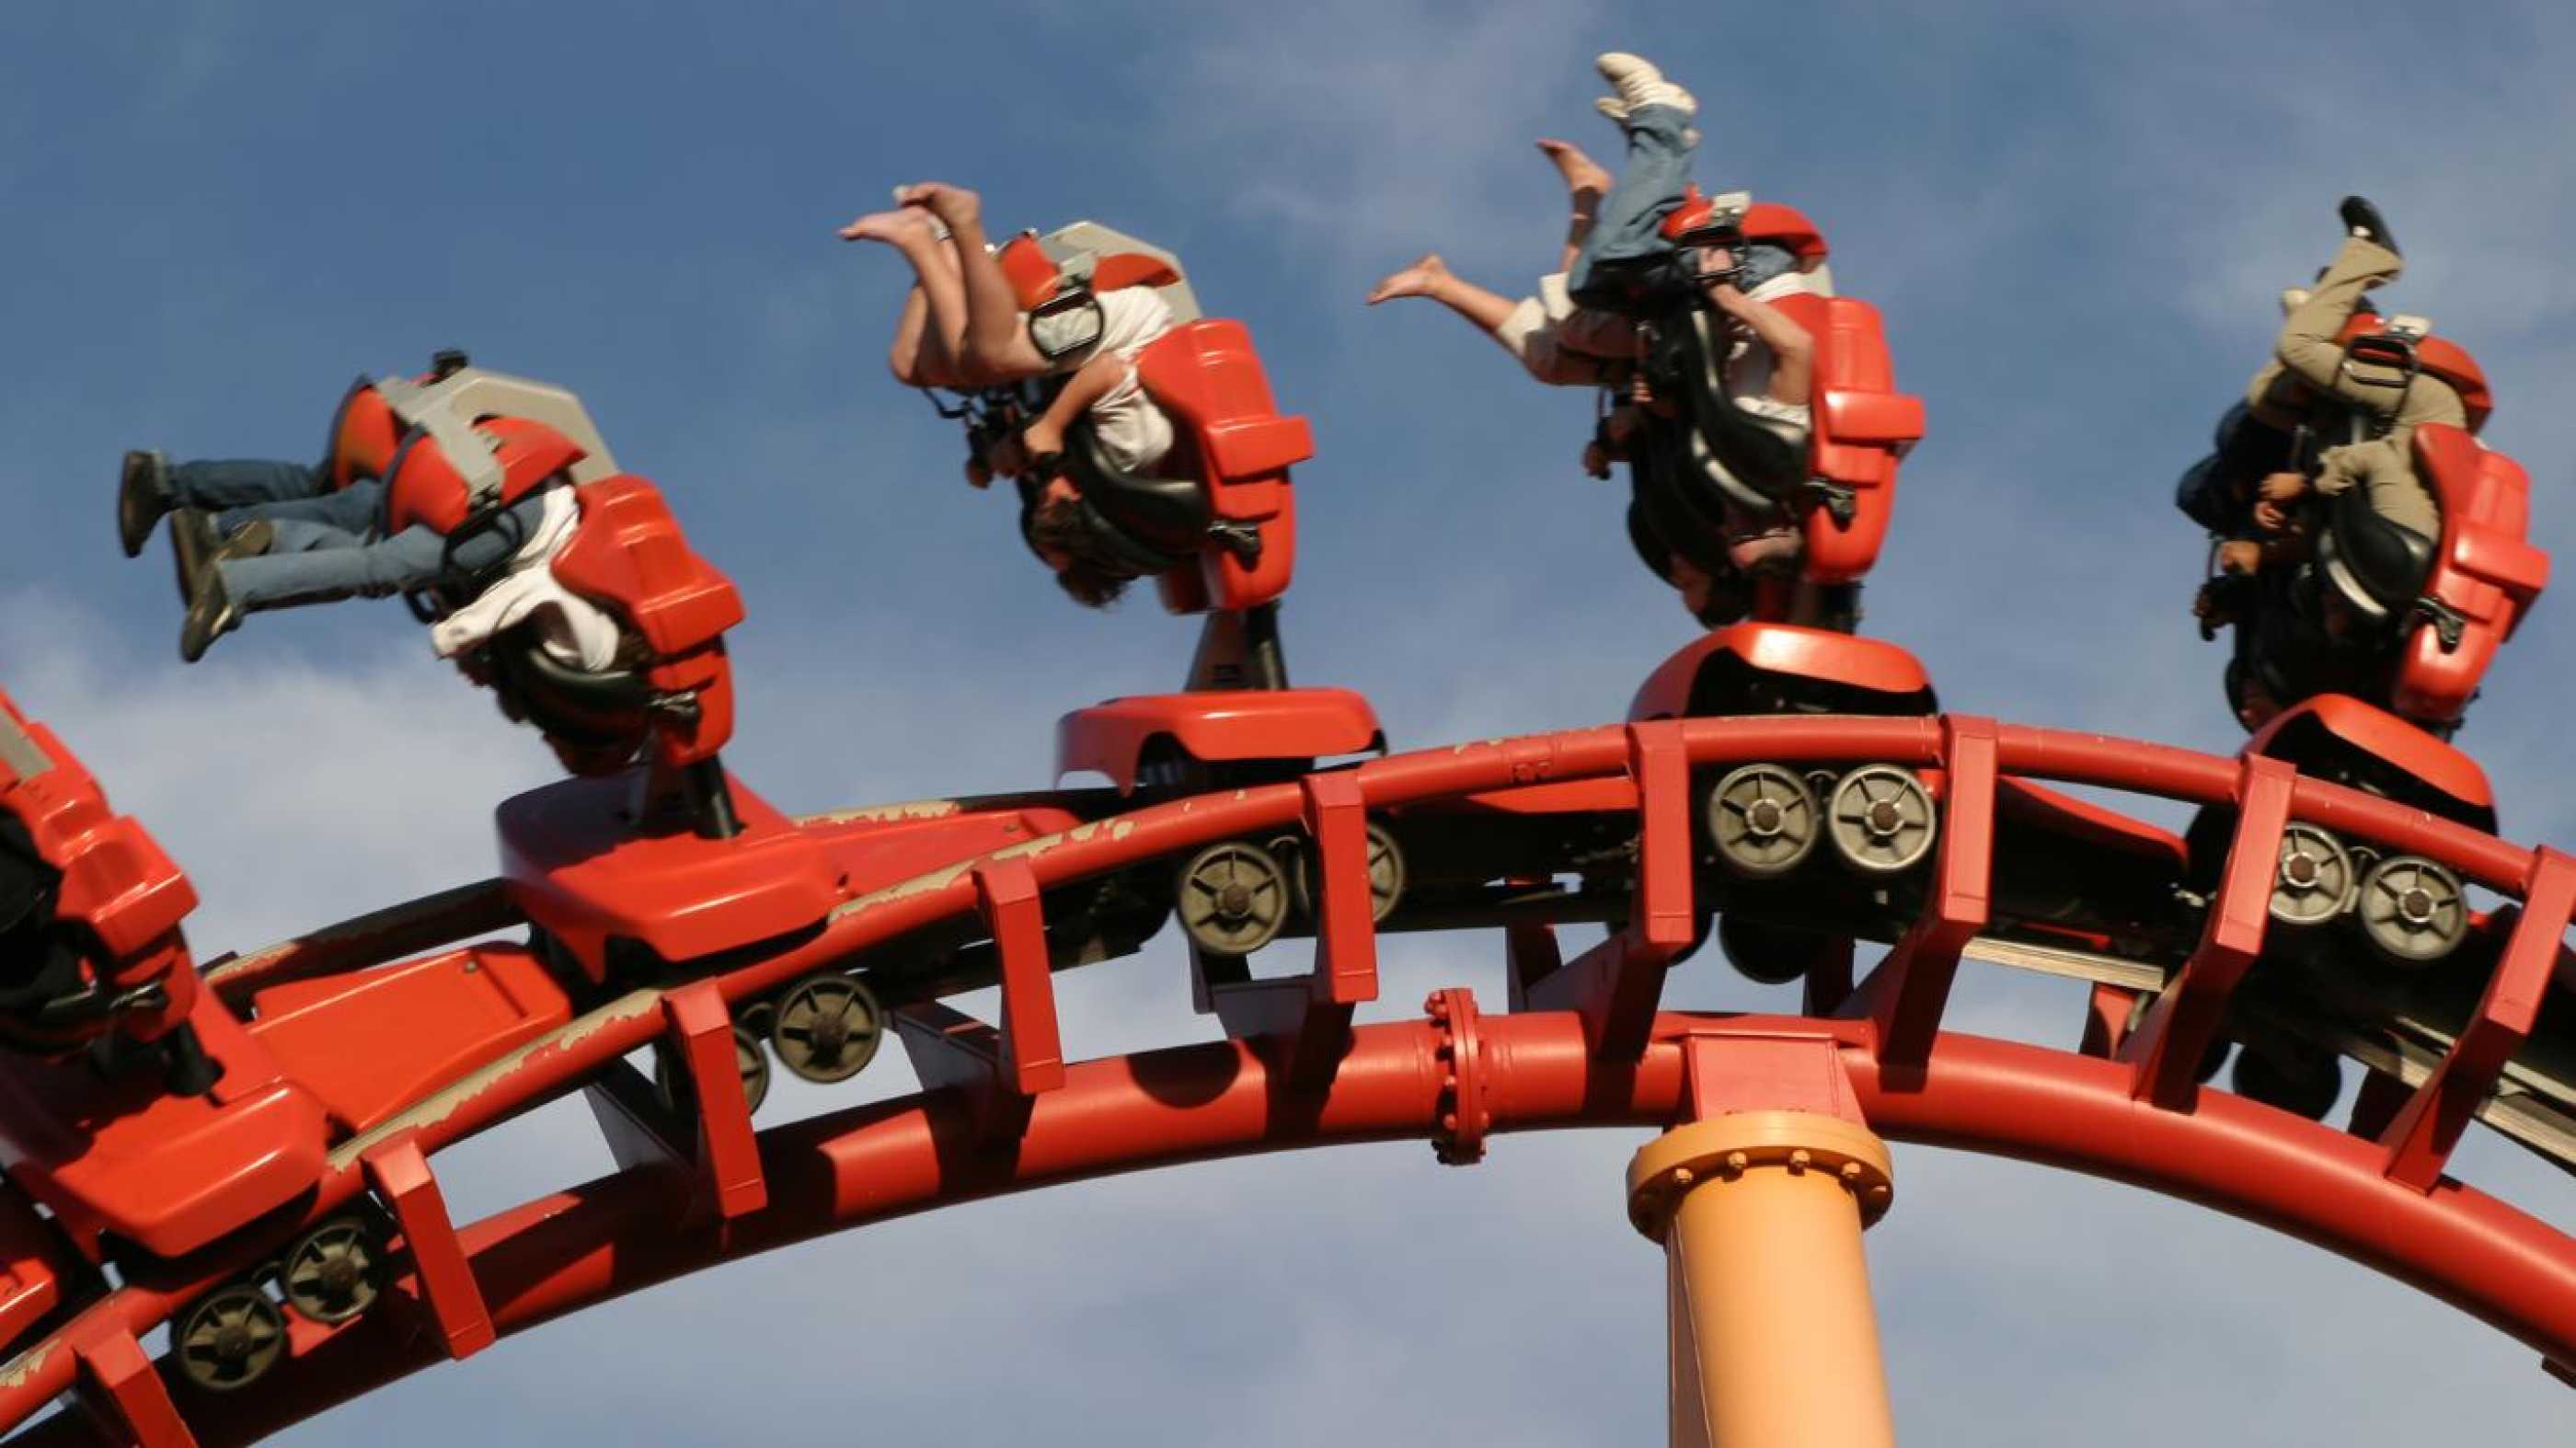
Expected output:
(431, 409)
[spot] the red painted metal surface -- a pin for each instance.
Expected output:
(1907, 994)
(371, 1043)
(1213, 727)
(116, 884)
(1192, 1103)
(2166, 1047)
(2420, 1138)
(1006, 891)
(1208, 377)
(1607, 1057)
(1786, 649)
(701, 1031)
(2486, 571)
(170, 1173)
(443, 1274)
(576, 866)
(2382, 735)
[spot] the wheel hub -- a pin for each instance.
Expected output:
(1234, 902)
(2300, 870)
(2417, 906)
(1884, 818)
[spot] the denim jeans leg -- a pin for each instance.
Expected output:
(1649, 187)
(239, 482)
(413, 558)
(343, 519)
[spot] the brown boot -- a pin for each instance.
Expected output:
(194, 546)
(142, 496)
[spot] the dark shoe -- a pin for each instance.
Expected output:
(2364, 221)
(194, 544)
(142, 496)
(211, 615)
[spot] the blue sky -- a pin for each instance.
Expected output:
(2074, 218)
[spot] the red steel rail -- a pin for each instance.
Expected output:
(1029, 1121)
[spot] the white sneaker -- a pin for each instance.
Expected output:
(1638, 83)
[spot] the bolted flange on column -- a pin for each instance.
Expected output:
(1774, 1337)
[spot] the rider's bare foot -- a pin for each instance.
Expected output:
(894, 228)
(1417, 280)
(1584, 177)
(955, 205)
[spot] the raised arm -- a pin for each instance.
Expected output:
(1793, 352)
(1045, 433)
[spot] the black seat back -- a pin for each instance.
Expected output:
(1168, 515)
(2377, 565)
(590, 711)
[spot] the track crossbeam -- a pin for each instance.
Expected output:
(2428, 1127)
(400, 1175)
(2165, 1051)
(1910, 989)
(123, 1388)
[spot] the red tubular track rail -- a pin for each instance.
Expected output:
(1453, 1078)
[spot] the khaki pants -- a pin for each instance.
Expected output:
(1563, 345)
(2308, 367)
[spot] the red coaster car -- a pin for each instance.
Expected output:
(2411, 910)
(2365, 945)
(1224, 522)
(1841, 496)
(2069, 875)
(2484, 578)
(1862, 426)
(176, 1126)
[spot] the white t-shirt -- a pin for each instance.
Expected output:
(1134, 434)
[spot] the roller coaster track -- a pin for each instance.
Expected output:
(1584, 1044)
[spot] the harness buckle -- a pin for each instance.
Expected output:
(1244, 543)
(2448, 624)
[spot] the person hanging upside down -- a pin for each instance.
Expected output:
(1645, 243)
(263, 561)
(250, 535)
(2332, 412)
(966, 326)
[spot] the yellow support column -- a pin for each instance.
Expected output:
(1774, 1338)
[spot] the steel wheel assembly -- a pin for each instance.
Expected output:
(229, 1338)
(1762, 821)
(828, 1027)
(671, 1082)
(1881, 820)
(1233, 897)
(333, 1272)
(2413, 910)
(1385, 871)
(2315, 883)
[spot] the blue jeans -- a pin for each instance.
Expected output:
(290, 496)
(413, 558)
(1650, 185)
